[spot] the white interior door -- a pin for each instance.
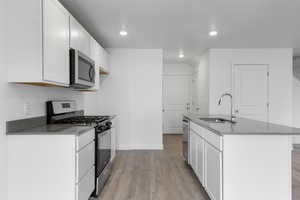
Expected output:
(251, 91)
(176, 100)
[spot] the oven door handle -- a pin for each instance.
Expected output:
(104, 132)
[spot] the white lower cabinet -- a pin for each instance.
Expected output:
(193, 150)
(86, 186)
(213, 175)
(52, 166)
(113, 143)
(241, 167)
(113, 138)
(200, 159)
(85, 160)
(206, 160)
(85, 165)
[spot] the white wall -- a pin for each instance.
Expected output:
(133, 91)
(296, 93)
(280, 85)
(3, 149)
(177, 69)
(200, 86)
(3, 143)
(91, 103)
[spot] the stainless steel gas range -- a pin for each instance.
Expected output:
(65, 112)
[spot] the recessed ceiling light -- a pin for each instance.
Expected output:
(123, 33)
(181, 55)
(213, 33)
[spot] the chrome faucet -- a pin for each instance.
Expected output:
(231, 112)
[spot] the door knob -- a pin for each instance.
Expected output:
(236, 111)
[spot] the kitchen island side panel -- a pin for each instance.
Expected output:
(257, 167)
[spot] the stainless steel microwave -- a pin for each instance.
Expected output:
(82, 70)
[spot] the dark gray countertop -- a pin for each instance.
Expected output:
(54, 129)
(243, 126)
(39, 126)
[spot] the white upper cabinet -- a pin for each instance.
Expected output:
(80, 39)
(40, 34)
(56, 42)
(104, 60)
(38, 38)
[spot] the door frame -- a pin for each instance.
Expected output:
(163, 96)
(233, 65)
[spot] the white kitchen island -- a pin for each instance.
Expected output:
(246, 160)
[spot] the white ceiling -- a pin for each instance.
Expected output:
(184, 24)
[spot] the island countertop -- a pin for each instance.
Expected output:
(242, 126)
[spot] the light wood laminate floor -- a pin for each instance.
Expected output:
(153, 175)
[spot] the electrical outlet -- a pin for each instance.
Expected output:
(26, 108)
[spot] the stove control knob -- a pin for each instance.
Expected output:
(108, 124)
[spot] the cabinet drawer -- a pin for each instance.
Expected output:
(85, 160)
(198, 129)
(86, 186)
(214, 139)
(85, 138)
(211, 137)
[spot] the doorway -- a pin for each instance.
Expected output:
(251, 91)
(176, 101)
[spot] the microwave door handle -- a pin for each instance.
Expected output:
(91, 73)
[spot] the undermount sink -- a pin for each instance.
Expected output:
(215, 120)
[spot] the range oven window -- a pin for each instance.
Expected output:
(104, 150)
(66, 105)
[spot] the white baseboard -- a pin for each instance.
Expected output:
(173, 131)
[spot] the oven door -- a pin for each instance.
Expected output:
(103, 156)
(103, 151)
(82, 70)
